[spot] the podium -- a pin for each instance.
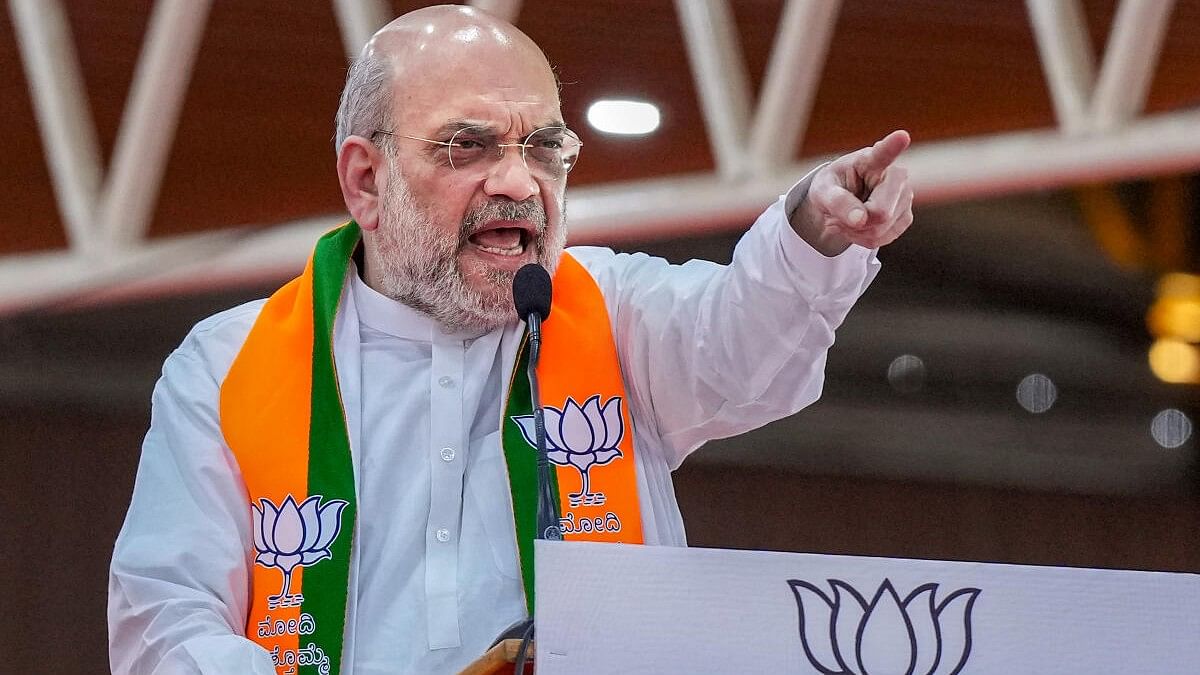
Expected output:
(502, 658)
(611, 608)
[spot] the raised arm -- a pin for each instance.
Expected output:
(710, 351)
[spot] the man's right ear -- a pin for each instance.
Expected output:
(360, 164)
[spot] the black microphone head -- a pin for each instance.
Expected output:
(531, 291)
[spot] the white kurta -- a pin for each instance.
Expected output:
(707, 351)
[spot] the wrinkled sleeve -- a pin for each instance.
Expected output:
(710, 351)
(178, 585)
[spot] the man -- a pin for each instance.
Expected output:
(332, 478)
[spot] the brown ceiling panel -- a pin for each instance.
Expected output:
(399, 7)
(757, 21)
(603, 49)
(254, 143)
(1177, 81)
(29, 218)
(254, 140)
(108, 41)
(938, 69)
(1099, 16)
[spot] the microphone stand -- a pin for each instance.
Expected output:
(548, 527)
(547, 520)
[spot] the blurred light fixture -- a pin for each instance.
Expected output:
(1178, 284)
(1174, 319)
(906, 374)
(1175, 361)
(625, 117)
(1177, 317)
(1036, 393)
(1171, 428)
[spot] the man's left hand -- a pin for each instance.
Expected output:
(861, 198)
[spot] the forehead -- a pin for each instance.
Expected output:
(510, 89)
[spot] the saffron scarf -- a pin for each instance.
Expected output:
(282, 416)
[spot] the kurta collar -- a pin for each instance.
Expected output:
(381, 313)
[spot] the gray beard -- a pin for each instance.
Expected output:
(418, 263)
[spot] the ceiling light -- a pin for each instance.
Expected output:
(624, 117)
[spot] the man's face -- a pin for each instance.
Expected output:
(420, 263)
(451, 238)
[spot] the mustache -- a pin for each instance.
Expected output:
(504, 209)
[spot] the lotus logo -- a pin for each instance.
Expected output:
(293, 536)
(847, 635)
(582, 437)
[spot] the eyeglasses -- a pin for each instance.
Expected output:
(549, 152)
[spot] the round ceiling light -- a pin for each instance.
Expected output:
(625, 117)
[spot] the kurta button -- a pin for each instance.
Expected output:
(447, 454)
(443, 535)
(446, 382)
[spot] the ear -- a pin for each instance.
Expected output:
(360, 168)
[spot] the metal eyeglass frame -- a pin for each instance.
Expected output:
(450, 144)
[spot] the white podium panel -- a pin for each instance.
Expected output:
(607, 608)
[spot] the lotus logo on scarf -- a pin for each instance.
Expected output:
(580, 436)
(847, 635)
(291, 536)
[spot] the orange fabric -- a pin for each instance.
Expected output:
(269, 438)
(579, 360)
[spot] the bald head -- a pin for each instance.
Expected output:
(440, 36)
(414, 57)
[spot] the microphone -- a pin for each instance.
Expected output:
(532, 294)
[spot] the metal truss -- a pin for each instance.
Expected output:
(1101, 135)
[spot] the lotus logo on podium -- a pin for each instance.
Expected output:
(845, 634)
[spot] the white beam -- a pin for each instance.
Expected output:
(1129, 61)
(793, 75)
(719, 70)
(61, 276)
(64, 119)
(151, 115)
(504, 9)
(939, 172)
(970, 168)
(358, 20)
(1066, 53)
(675, 206)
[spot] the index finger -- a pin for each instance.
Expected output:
(881, 155)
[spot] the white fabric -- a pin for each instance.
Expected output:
(707, 351)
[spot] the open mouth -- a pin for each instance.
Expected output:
(503, 239)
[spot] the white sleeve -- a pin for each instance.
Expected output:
(710, 351)
(179, 581)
